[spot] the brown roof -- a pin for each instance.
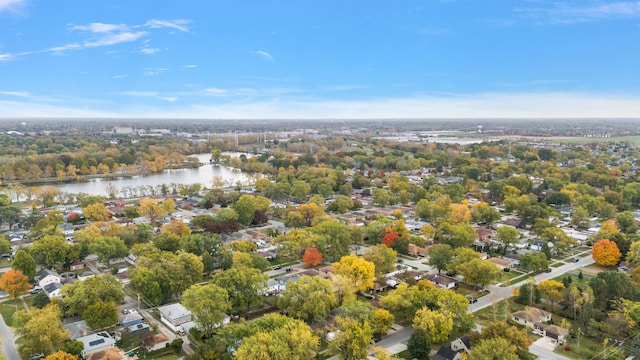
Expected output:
(108, 354)
(501, 262)
(533, 314)
(154, 339)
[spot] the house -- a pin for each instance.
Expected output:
(112, 353)
(46, 277)
(155, 342)
(174, 315)
(531, 316)
(53, 290)
(76, 265)
(138, 328)
(441, 281)
(461, 344)
(445, 353)
(502, 263)
(485, 235)
(557, 333)
(78, 329)
(96, 342)
(130, 318)
(415, 250)
(85, 275)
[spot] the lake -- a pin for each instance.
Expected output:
(143, 184)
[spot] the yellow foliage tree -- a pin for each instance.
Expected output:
(177, 227)
(61, 355)
(96, 212)
(359, 271)
(605, 252)
(437, 324)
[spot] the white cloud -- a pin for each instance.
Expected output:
(214, 91)
(191, 66)
(149, 51)
(154, 71)
(16, 93)
(571, 12)
(168, 98)
(6, 57)
(9, 4)
(120, 76)
(139, 93)
(263, 54)
(101, 27)
(178, 24)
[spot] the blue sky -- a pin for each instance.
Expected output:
(319, 59)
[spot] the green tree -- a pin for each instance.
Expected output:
(626, 222)
(534, 261)
(382, 257)
(50, 250)
(167, 241)
(353, 339)
(309, 298)
(419, 346)
(209, 305)
(440, 255)
(245, 207)
(73, 347)
(145, 281)
(108, 247)
(244, 286)
(484, 213)
(508, 235)
(41, 299)
(25, 263)
(101, 314)
(79, 296)
(334, 239)
(381, 197)
(40, 331)
(480, 272)
(293, 340)
(456, 235)
(461, 257)
(300, 190)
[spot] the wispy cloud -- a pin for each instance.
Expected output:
(263, 54)
(16, 93)
(139, 93)
(6, 5)
(168, 98)
(99, 34)
(155, 71)
(120, 76)
(178, 24)
(433, 31)
(571, 12)
(214, 91)
(191, 66)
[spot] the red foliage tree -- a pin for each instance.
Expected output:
(311, 257)
(389, 238)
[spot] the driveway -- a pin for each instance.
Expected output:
(543, 349)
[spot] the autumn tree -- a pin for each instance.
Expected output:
(309, 298)
(312, 257)
(456, 235)
(352, 340)
(40, 331)
(96, 212)
(50, 250)
(209, 305)
(150, 209)
(108, 247)
(480, 272)
(15, 283)
(389, 238)
(382, 257)
(551, 290)
(507, 236)
(177, 227)
(436, 324)
(360, 272)
(605, 252)
(244, 286)
(535, 261)
(292, 339)
(61, 355)
(514, 335)
(334, 238)
(79, 296)
(494, 349)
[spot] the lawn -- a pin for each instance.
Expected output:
(589, 348)
(7, 309)
(499, 311)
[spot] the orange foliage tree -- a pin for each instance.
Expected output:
(311, 257)
(605, 252)
(15, 283)
(389, 238)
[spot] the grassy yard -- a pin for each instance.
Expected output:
(499, 311)
(8, 308)
(588, 349)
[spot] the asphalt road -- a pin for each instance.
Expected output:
(8, 341)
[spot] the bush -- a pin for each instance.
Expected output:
(176, 345)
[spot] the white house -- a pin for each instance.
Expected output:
(53, 290)
(96, 342)
(46, 277)
(174, 315)
(531, 316)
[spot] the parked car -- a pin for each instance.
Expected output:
(548, 270)
(473, 300)
(576, 259)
